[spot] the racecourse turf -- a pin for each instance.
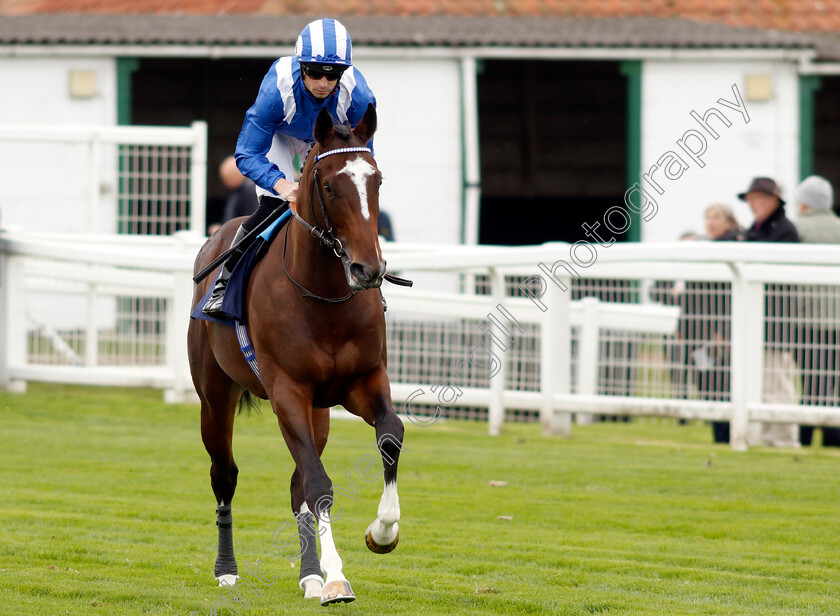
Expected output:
(106, 508)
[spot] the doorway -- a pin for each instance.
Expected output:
(553, 148)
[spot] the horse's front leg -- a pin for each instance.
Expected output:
(371, 400)
(294, 415)
(311, 579)
(384, 532)
(336, 587)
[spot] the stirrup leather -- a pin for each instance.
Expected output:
(213, 306)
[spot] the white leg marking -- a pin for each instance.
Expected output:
(312, 586)
(385, 528)
(358, 170)
(330, 560)
(228, 579)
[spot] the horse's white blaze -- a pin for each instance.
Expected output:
(330, 560)
(385, 528)
(358, 170)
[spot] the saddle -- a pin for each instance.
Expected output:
(234, 301)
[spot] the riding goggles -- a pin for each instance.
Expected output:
(332, 72)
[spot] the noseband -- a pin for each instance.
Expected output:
(325, 235)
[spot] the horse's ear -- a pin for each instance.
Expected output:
(364, 130)
(323, 126)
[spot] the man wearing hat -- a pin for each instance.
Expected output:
(771, 225)
(818, 353)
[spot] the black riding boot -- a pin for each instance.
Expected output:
(213, 306)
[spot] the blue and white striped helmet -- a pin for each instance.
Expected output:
(324, 42)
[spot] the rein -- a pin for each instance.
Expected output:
(326, 236)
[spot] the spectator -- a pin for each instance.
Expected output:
(242, 196)
(816, 224)
(768, 208)
(678, 348)
(721, 224)
(384, 226)
(711, 359)
(818, 350)
(771, 225)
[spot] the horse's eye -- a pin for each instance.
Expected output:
(327, 188)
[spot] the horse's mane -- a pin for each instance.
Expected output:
(342, 130)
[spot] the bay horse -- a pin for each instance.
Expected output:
(317, 326)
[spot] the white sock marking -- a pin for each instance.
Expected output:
(330, 560)
(389, 505)
(385, 527)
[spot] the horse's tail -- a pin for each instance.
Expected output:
(248, 403)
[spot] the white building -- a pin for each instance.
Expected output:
(492, 129)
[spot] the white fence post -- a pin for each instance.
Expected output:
(198, 178)
(92, 329)
(740, 364)
(177, 323)
(496, 408)
(747, 365)
(12, 320)
(555, 363)
(588, 347)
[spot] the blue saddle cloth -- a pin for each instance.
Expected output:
(234, 301)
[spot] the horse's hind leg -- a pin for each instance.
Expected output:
(217, 434)
(219, 395)
(311, 580)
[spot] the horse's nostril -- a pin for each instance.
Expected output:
(360, 272)
(366, 276)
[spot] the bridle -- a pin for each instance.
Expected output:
(325, 235)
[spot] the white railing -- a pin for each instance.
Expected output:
(105, 179)
(96, 309)
(543, 335)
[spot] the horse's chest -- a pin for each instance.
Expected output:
(344, 354)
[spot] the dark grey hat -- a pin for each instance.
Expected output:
(767, 186)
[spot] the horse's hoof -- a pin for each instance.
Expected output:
(312, 587)
(228, 579)
(380, 549)
(337, 592)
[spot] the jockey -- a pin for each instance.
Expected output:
(281, 121)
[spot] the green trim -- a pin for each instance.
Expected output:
(808, 85)
(463, 114)
(125, 68)
(632, 70)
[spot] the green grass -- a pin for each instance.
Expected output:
(106, 508)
